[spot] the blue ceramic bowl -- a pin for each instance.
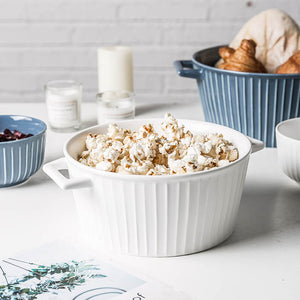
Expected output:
(251, 103)
(21, 158)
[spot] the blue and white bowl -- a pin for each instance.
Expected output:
(251, 103)
(22, 158)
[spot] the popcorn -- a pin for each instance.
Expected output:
(105, 166)
(147, 152)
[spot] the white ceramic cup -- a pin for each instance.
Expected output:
(288, 145)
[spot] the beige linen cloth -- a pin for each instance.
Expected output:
(276, 34)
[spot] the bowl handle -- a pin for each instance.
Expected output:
(52, 170)
(257, 145)
(184, 68)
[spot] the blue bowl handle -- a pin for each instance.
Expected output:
(184, 68)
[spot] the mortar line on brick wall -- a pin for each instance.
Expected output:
(166, 46)
(212, 4)
(118, 7)
(32, 44)
(87, 70)
(73, 31)
(38, 48)
(72, 22)
(162, 20)
(164, 90)
(56, 22)
(68, 47)
(47, 69)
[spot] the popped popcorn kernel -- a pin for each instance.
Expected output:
(146, 152)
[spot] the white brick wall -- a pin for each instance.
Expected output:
(42, 40)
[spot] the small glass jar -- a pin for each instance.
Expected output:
(63, 99)
(115, 105)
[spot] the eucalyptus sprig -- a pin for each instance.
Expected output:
(57, 276)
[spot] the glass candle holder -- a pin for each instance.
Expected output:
(115, 105)
(63, 99)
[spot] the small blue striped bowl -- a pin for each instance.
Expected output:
(20, 159)
(251, 103)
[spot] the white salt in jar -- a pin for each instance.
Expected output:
(63, 99)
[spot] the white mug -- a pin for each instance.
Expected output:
(288, 146)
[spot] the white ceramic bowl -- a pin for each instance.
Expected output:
(164, 215)
(288, 145)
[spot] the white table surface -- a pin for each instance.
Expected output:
(261, 260)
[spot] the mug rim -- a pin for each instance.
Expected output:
(282, 123)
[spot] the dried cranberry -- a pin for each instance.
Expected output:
(7, 135)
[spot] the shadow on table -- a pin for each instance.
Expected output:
(265, 209)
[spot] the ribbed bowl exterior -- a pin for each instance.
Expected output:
(288, 156)
(20, 159)
(168, 217)
(253, 105)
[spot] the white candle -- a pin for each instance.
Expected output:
(63, 100)
(115, 69)
(115, 105)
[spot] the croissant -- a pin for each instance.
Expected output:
(242, 59)
(291, 66)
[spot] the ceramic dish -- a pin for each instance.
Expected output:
(164, 215)
(251, 103)
(288, 144)
(22, 158)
